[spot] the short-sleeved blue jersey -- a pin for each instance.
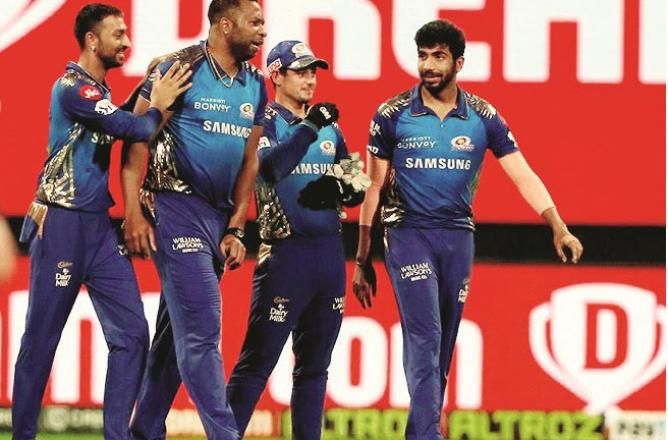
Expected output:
(277, 189)
(435, 164)
(201, 148)
(82, 127)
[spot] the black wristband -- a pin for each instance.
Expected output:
(237, 232)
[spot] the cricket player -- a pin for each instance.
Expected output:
(425, 151)
(299, 281)
(202, 167)
(8, 251)
(72, 241)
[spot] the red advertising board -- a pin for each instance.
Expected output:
(582, 85)
(533, 338)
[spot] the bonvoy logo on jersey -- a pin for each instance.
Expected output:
(600, 341)
(19, 17)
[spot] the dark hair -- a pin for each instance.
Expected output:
(89, 16)
(218, 8)
(442, 32)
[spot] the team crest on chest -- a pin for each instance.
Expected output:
(328, 148)
(246, 110)
(462, 143)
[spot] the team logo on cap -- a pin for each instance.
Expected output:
(328, 148)
(275, 66)
(462, 143)
(301, 49)
(246, 110)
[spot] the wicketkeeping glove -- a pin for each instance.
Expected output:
(344, 184)
(322, 114)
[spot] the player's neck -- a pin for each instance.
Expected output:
(296, 108)
(447, 96)
(92, 64)
(220, 51)
(441, 102)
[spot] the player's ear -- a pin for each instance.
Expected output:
(459, 64)
(276, 78)
(225, 25)
(91, 41)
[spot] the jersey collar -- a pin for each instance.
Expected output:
(71, 65)
(286, 114)
(217, 70)
(418, 108)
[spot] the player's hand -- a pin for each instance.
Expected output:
(568, 241)
(364, 284)
(139, 236)
(233, 250)
(323, 114)
(168, 87)
(322, 193)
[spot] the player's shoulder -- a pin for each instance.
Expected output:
(191, 55)
(481, 106)
(395, 105)
(253, 71)
(74, 84)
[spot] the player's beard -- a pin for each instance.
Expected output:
(242, 50)
(445, 81)
(109, 58)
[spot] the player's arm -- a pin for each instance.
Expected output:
(84, 103)
(364, 278)
(535, 193)
(278, 157)
(7, 251)
(379, 154)
(232, 247)
(137, 232)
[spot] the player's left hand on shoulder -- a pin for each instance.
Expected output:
(568, 242)
(233, 250)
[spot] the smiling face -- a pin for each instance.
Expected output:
(437, 68)
(247, 30)
(297, 86)
(111, 41)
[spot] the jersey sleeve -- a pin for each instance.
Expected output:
(278, 157)
(341, 146)
(381, 137)
(499, 137)
(85, 103)
(262, 104)
(147, 87)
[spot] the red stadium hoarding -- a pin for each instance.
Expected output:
(582, 85)
(533, 338)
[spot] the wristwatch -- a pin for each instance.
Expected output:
(237, 232)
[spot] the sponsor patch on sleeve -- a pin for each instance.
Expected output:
(263, 143)
(105, 107)
(90, 93)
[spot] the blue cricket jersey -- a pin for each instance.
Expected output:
(82, 126)
(435, 165)
(292, 154)
(201, 148)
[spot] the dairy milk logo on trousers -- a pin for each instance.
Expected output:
(19, 17)
(602, 341)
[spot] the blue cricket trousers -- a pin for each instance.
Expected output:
(79, 248)
(430, 271)
(186, 343)
(298, 288)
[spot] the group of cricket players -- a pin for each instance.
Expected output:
(199, 137)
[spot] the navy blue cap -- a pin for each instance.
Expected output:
(293, 55)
